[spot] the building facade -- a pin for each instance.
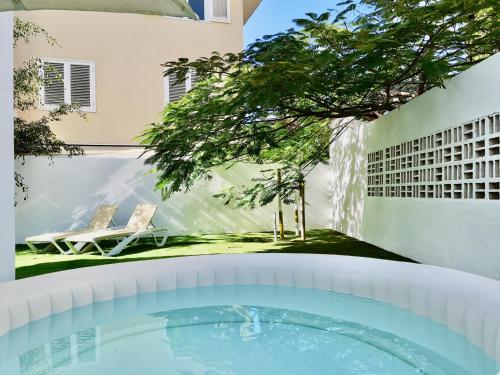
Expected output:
(110, 64)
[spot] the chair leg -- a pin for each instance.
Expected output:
(32, 246)
(122, 245)
(80, 245)
(61, 250)
(86, 247)
(71, 247)
(48, 248)
(99, 248)
(164, 238)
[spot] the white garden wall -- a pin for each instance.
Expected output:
(65, 194)
(7, 270)
(450, 220)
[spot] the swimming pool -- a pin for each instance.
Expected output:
(251, 314)
(240, 330)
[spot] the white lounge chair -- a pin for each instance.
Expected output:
(139, 226)
(101, 220)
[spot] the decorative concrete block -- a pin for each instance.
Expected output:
(461, 162)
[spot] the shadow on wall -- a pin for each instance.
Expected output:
(347, 183)
(66, 194)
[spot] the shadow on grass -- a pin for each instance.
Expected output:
(318, 242)
(43, 268)
(335, 243)
(348, 248)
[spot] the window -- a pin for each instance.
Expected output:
(68, 82)
(217, 10)
(176, 90)
(211, 10)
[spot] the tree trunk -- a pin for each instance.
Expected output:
(280, 208)
(296, 214)
(275, 228)
(302, 191)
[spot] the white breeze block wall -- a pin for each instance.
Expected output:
(66, 193)
(424, 180)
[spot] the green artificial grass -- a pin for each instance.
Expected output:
(319, 242)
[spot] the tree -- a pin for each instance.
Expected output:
(35, 137)
(276, 101)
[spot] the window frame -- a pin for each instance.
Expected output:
(67, 83)
(209, 10)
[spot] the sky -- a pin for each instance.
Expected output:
(273, 16)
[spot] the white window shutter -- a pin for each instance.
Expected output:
(68, 82)
(194, 78)
(81, 85)
(176, 90)
(53, 93)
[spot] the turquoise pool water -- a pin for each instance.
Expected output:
(239, 330)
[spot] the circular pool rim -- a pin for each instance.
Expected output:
(467, 304)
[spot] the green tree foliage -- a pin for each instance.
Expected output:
(276, 101)
(34, 137)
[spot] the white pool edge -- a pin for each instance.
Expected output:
(467, 304)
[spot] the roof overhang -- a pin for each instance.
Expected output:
(175, 8)
(249, 7)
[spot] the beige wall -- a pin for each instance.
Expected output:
(128, 50)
